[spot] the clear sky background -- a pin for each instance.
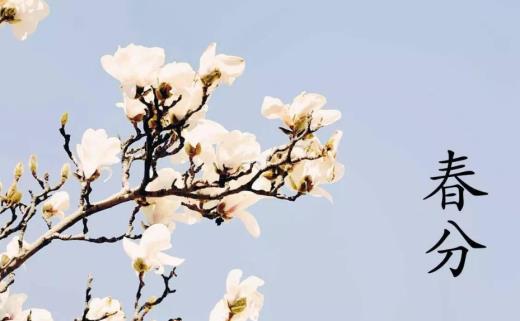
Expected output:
(412, 78)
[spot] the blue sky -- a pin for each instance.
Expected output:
(412, 78)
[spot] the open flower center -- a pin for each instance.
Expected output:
(140, 265)
(238, 306)
(211, 77)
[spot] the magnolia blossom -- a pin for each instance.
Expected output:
(242, 300)
(56, 205)
(23, 15)
(99, 308)
(12, 249)
(235, 206)
(96, 152)
(236, 149)
(305, 177)
(134, 66)
(296, 116)
(147, 255)
(179, 80)
(205, 134)
(215, 68)
(212, 146)
(11, 309)
(134, 109)
(163, 210)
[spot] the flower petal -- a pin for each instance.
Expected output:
(273, 108)
(233, 279)
(132, 249)
(250, 223)
(220, 312)
(325, 117)
(169, 260)
(156, 238)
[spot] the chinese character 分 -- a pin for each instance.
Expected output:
(449, 252)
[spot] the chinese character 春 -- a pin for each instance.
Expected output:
(455, 191)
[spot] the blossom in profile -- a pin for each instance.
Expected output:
(107, 309)
(235, 206)
(306, 176)
(11, 309)
(12, 249)
(236, 149)
(134, 66)
(242, 300)
(134, 109)
(178, 80)
(56, 205)
(200, 141)
(304, 108)
(163, 210)
(216, 68)
(148, 254)
(97, 151)
(23, 15)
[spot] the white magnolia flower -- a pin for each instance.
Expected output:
(134, 66)
(178, 75)
(11, 309)
(320, 167)
(180, 80)
(306, 176)
(215, 68)
(206, 134)
(12, 250)
(56, 205)
(23, 15)
(163, 210)
(242, 300)
(305, 106)
(236, 149)
(331, 146)
(96, 152)
(235, 206)
(147, 255)
(134, 109)
(99, 308)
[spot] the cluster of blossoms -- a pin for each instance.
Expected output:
(213, 173)
(23, 15)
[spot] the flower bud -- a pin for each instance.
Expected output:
(18, 171)
(64, 119)
(65, 169)
(164, 91)
(13, 196)
(33, 164)
(4, 260)
(193, 151)
(269, 174)
(151, 300)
